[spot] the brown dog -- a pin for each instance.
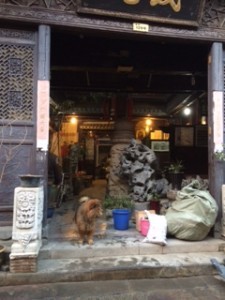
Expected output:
(85, 218)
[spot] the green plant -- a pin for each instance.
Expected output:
(118, 201)
(154, 196)
(176, 167)
(220, 155)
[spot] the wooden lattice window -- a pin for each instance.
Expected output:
(16, 82)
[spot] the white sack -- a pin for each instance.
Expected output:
(157, 229)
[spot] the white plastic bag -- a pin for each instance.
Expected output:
(157, 229)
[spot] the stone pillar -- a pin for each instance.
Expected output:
(27, 224)
(123, 134)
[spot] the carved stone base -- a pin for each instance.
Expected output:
(27, 227)
(23, 264)
(31, 249)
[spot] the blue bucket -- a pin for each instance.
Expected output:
(121, 218)
(50, 212)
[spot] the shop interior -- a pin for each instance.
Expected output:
(159, 86)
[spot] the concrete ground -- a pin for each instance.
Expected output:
(185, 288)
(115, 255)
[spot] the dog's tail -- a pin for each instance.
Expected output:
(81, 200)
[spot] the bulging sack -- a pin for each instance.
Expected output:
(192, 214)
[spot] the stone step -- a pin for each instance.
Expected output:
(124, 245)
(119, 255)
(114, 255)
(116, 268)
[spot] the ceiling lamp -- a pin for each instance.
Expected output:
(203, 120)
(148, 122)
(73, 120)
(187, 111)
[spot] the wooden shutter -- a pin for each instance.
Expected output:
(18, 57)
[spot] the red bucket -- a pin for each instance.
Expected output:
(144, 226)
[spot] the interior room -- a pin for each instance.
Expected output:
(159, 86)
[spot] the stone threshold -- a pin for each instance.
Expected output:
(116, 268)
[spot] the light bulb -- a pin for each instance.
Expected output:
(148, 122)
(187, 111)
(73, 120)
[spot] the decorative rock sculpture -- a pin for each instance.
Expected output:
(131, 166)
(137, 166)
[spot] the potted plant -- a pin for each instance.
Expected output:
(220, 154)
(175, 174)
(118, 201)
(219, 171)
(176, 167)
(154, 203)
(121, 207)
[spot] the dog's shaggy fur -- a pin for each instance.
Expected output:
(85, 217)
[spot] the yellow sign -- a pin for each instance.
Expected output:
(140, 27)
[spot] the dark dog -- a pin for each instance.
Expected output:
(85, 217)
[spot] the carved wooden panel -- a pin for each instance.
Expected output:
(64, 5)
(214, 14)
(17, 113)
(16, 77)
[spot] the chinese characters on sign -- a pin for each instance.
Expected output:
(175, 5)
(43, 114)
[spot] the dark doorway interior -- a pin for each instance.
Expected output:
(90, 73)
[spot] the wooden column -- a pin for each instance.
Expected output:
(216, 119)
(43, 104)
